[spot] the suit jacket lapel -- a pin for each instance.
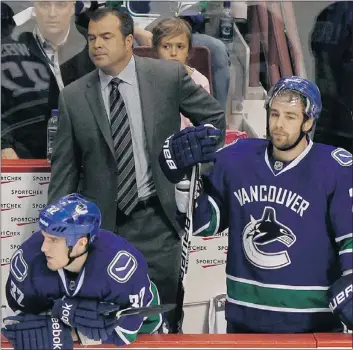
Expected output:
(95, 100)
(146, 86)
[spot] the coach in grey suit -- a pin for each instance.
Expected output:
(84, 158)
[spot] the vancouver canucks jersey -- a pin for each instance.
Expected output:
(114, 272)
(290, 233)
(25, 80)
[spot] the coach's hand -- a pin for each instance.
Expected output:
(187, 148)
(37, 332)
(93, 319)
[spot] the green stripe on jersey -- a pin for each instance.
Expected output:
(152, 323)
(126, 336)
(276, 297)
(345, 244)
(212, 228)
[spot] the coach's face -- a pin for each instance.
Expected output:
(286, 121)
(109, 49)
(55, 250)
(54, 17)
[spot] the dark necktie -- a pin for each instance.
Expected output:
(119, 122)
(50, 52)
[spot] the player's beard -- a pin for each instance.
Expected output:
(283, 142)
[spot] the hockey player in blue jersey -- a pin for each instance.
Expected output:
(83, 276)
(287, 203)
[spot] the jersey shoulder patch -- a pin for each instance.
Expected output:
(18, 266)
(342, 157)
(122, 267)
(24, 258)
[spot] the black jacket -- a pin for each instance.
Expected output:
(29, 89)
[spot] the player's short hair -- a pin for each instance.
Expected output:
(291, 95)
(171, 27)
(126, 21)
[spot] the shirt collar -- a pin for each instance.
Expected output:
(126, 75)
(42, 40)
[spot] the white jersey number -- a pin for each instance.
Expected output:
(16, 293)
(136, 300)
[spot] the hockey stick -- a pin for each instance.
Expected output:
(185, 247)
(186, 240)
(146, 311)
(141, 311)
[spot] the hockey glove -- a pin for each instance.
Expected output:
(93, 319)
(37, 332)
(187, 148)
(340, 298)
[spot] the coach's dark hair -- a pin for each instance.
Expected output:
(126, 21)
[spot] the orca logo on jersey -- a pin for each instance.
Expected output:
(122, 267)
(342, 156)
(264, 231)
(18, 266)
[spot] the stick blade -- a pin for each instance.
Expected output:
(148, 310)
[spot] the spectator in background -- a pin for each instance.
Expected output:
(7, 22)
(112, 124)
(332, 47)
(219, 56)
(172, 41)
(38, 60)
(84, 8)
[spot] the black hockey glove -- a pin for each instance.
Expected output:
(37, 332)
(340, 298)
(187, 148)
(93, 319)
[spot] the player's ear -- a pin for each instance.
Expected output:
(307, 125)
(83, 241)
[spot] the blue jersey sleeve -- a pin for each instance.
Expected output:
(341, 208)
(210, 214)
(129, 272)
(21, 293)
